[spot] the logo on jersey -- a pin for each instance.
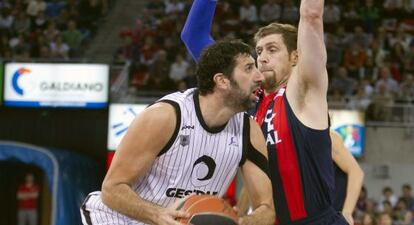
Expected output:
(184, 140)
(272, 137)
(203, 171)
(233, 142)
(181, 193)
(187, 127)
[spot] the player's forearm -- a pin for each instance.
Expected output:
(122, 199)
(262, 215)
(196, 32)
(355, 180)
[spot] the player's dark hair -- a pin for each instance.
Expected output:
(219, 57)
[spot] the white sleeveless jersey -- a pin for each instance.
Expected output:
(197, 159)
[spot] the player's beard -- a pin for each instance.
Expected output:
(269, 83)
(239, 99)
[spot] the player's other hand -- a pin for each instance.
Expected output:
(348, 217)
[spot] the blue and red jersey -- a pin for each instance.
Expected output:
(300, 161)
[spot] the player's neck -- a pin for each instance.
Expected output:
(276, 87)
(213, 110)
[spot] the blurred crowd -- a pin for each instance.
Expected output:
(369, 43)
(48, 29)
(390, 209)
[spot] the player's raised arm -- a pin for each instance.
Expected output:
(146, 136)
(196, 32)
(308, 85)
(311, 46)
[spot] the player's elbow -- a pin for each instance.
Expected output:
(361, 173)
(106, 192)
(358, 173)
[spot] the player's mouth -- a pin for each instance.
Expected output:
(255, 93)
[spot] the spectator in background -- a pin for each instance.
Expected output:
(384, 219)
(354, 59)
(393, 5)
(402, 215)
(148, 51)
(159, 71)
(270, 11)
(402, 37)
(331, 15)
(361, 100)
(369, 71)
(156, 7)
(21, 23)
(409, 6)
(51, 31)
(388, 196)
(174, 6)
(125, 51)
(343, 83)
(406, 94)
(40, 22)
(362, 199)
(6, 21)
(360, 37)
(334, 51)
(368, 219)
(53, 8)
(27, 196)
(409, 58)
(391, 88)
(179, 69)
(350, 14)
(369, 14)
(290, 13)
(248, 12)
(377, 53)
(406, 188)
(59, 49)
(34, 7)
(73, 37)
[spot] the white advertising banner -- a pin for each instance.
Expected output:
(56, 85)
(120, 117)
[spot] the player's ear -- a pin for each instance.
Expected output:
(294, 57)
(221, 81)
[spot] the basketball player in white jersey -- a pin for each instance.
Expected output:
(190, 142)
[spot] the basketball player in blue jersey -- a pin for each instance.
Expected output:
(190, 142)
(293, 113)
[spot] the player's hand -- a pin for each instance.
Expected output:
(167, 216)
(348, 217)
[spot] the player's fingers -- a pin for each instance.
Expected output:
(179, 214)
(172, 222)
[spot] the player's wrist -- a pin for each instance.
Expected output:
(150, 214)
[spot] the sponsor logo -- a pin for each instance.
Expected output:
(15, 80)
(181, 193)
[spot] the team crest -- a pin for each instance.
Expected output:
(184, 140)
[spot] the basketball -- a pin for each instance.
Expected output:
(208, 210)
